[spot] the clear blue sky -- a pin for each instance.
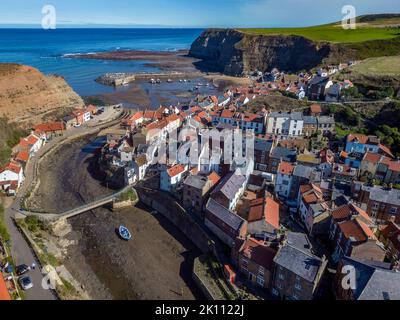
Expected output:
(191, 13)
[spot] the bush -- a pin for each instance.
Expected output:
(4, 235)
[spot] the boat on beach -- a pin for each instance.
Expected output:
(124, 233)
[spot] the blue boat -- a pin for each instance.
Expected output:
(124, 233)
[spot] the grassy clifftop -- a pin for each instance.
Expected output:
(371, 27)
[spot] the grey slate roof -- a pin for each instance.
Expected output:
(302, 171)
(224, 214)
(284, 153)
(196, 181)
(292, 115)
(297, 257)
(390, 196)
(230, 185)
(262, 145)
(326, 119)
(373, 281)
(310, 120)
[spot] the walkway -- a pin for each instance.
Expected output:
(20, 249)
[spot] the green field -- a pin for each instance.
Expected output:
(368, 28)
(382, 66)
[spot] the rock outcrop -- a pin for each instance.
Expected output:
(236, 53)
(27, 96)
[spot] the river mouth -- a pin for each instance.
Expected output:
(155, 264)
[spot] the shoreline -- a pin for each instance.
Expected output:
(96, 258)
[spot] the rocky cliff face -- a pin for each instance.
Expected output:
(27, 96)
(235, 53)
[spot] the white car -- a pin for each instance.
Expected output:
(26, 283)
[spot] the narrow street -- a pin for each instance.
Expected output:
(20, 249)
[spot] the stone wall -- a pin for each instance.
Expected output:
(176, 215)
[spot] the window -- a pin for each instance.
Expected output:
(261, 271)
(376, 205)
(281, 276)
(393, 210)
(260, 280)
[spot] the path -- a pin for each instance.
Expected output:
(20, 249)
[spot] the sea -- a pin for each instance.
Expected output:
(48, 50)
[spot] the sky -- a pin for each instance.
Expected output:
(189, 13)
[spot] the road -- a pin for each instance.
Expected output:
(20, 249)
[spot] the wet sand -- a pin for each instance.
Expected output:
(155, 264)
(177, 61)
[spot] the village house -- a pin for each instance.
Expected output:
(135, 120)
(389, 235)
(262, 148)
(279, 154)
(332, 92)
(196, 188)
(374, 281)
(327, 158)
(380, 167)
(69, 121)
(310, 125)
(11, 178)
(298, 271)
(229, 190)
(285, 124)
(314, 209)
(140, 165)
(350, 232)
(357, 145)
(382, 204)
(171, 177)
(263, 216)
(284, 179)
(225, 224)
(301, 175)
(316, 88)
(82, 116)
(30, 144)
(49, 130)
(254, 260)
(326, 125)
(315, 110)
(343, 174)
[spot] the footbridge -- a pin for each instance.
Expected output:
(78, 210)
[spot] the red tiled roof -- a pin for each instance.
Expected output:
(22, 156)
(226, 113)
(12, 166)
(372, 157)
(259, 253)
(271, 212)
(386, 150)
(256, 212)
(136, 116)
(175, 170)
(214, 177)
(172, 118)
(315, 108)
(49, 127)
(351, 229)
(149, 114)
(285, 168)
(4, 295)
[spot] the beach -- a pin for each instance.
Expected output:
(155, 264)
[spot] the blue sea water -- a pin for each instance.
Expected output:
(46, 50)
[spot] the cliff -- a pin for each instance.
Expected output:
(27, 96)
(238, 53)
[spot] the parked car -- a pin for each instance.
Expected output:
(26, 283)
(22, 269)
